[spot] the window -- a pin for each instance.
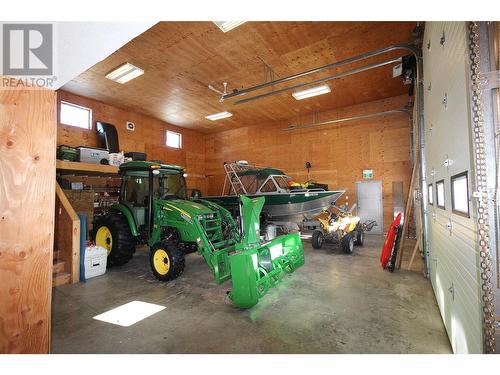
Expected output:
(440, 194)
(174, 139)
(135, 188)
(75, 115)
(460, 194)
(430, 196)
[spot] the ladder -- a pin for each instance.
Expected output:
(232, 170)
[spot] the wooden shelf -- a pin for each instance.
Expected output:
(76, 167)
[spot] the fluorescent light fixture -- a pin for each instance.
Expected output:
(218, 116)
(125, 73)
(130, 313)
(313, 91)
(226, 26)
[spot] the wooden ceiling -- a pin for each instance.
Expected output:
(181, 59)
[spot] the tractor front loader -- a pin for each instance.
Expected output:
(153, 210)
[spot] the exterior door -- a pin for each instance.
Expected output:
(369, 203)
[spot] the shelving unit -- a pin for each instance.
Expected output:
(76, 167)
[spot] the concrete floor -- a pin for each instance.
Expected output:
(335, 303)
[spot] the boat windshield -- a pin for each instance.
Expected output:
(283, 181)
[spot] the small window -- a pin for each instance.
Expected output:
(460, 194)
(174, 139)
(75, 115)
(440, 194)
(430, 196)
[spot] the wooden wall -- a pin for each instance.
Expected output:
(27, 193)
(338, 153)
(148, 137)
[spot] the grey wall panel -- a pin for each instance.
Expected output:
(454, 257)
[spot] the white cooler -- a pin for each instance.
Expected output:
(95, 261)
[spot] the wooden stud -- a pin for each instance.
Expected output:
(417, 246)
(409, 205)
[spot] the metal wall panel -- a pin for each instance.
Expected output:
(454, 256)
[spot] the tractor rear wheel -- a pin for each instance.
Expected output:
(167, 260)
(317, 239)
(112, 232)
(347, 243)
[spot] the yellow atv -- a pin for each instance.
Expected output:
(339, 227)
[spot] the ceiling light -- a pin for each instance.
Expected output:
(226, 26)
(218, 116)
(125, 73)
(314, 91)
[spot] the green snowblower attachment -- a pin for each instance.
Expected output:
(253, 267)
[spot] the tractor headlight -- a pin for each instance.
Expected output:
(209, 216)
(185, 217)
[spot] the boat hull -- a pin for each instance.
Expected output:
(294, 206)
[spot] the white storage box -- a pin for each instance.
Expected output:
(95, 261)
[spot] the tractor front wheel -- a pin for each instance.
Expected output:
(167, 260)
(347, 243)
(112, 232)
(317, 239)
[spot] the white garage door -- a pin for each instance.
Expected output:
(454, 256)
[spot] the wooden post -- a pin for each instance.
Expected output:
(409, 204)
(415, 249)
(27, 194)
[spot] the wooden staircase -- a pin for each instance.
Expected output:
(66, 258)
(59, 274)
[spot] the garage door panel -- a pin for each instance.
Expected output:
(447, 135)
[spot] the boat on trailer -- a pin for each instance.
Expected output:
(285, 201)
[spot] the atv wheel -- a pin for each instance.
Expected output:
(317, 239)
(360, 237)
(347, 243)
(167, 260)
(112, 232)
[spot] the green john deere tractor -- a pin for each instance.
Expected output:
(153, 210)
